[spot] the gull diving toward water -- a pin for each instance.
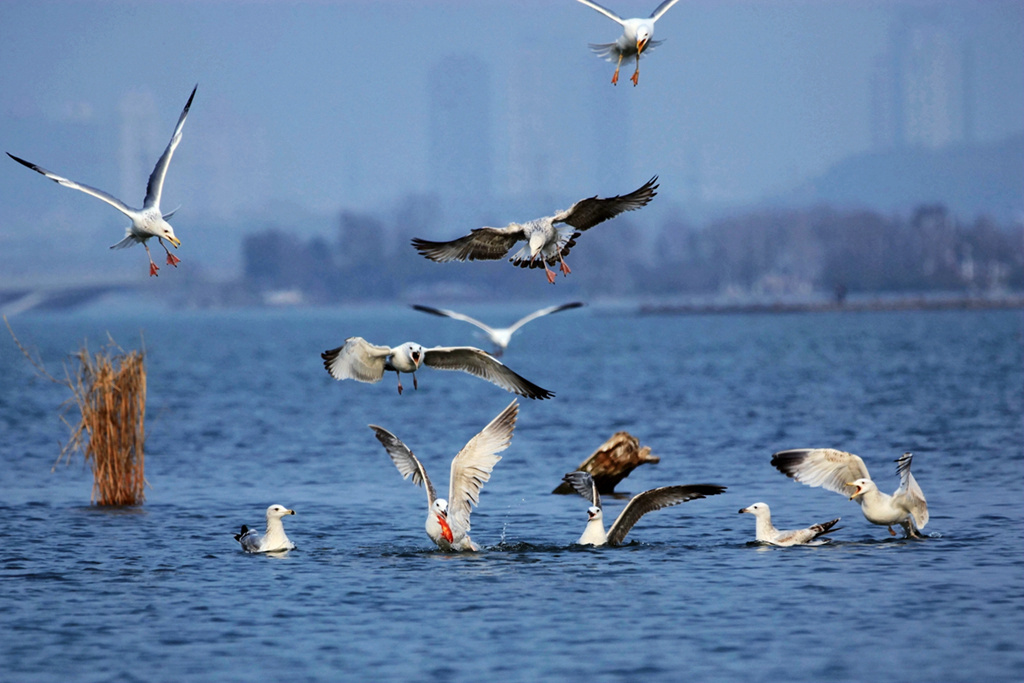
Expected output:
(545, 243)
(499, 336)
(637, 507)
(273, 540)
(847, 474)
(635, 38)
(448, 520)
(360, 360)
(767, 533)
(147, 222)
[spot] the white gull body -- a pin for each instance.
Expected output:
(546, 242)
(499, 336)
(447, 522)
(846, 474)
(637, 507)
(360, 360)
(148, 221)
(636, 38)
(767, 533)
(273, 540)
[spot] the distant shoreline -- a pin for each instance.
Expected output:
(917, 303)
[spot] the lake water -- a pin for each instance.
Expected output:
(241, 414)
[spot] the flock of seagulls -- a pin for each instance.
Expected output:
(547, 242)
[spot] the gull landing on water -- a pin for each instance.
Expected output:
(273, 540)
(635, 38)
(767, 533)
(546, 244)
(637, 507)
(499, 336)
(360, 360)
(448, 520)
(846, 473)
(148, 221)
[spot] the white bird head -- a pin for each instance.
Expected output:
(440, 507)
(412, 352)
(278, 511)
(757, 509)
(862, 486)
(168, 234)
(594, 513)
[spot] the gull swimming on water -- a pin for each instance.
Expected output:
(767, 533)
(146, 222)
(847, 474)
(273, 540)
(635, 38)
(545, 243)
(448, 520)
(499, 336)
(637, 507)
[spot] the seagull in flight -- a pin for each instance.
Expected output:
(846, 473)
(499, 336)
(273, 540)
(637, 507)
(146, 222)
(767, 533)
(545, 243)
(360, 360)
(635, 38)
(448, 520)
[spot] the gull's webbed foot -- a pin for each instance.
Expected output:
(635, 78)
(172, 260)
(152, 269)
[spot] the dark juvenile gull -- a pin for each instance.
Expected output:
(767, 533)
(360, 360)
(499, 336)
(846, 473)
(273, 540)
(637, 507)
(448, 520)
(546, 244)
(147, 222)
(634, 41)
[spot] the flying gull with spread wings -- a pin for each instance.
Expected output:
(448, 520)
(765, 531)
(147, 222)
(637, 507)
(846, 473)
(499, 336)
(546, 243)
(634, 41)
(360, 360)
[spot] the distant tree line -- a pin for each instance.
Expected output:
(772, 253)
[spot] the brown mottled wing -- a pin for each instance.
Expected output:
(655, 499)
(483, 365)
(407, 463)
(587, 213)
(482, 244)
(824, 467)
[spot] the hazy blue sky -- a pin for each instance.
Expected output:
(326, 105)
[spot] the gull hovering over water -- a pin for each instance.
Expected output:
(635, 38)
(847, 474)
(360, 360)
(448, 520)
(637, 507)
(147, 222)
(767, 533)
(273, 540)
(499, 336)
(545, 243)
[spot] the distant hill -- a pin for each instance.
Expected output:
(970, 180)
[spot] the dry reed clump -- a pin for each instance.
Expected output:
(109, 389)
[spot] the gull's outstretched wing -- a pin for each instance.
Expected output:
(471, 468)
(482, 364)
(407, 463)
(584, 485)
(824, 467)
(661, 9)
(655, 499)
(156, 179)
(909, 493)
(587, 213)
(481, 244)
(542, 312)
(99, 194)
(607, 12)
(445, 313)
(356, 359)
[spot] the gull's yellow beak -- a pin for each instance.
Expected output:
(175, 241)
(640, 45)
(855, 493)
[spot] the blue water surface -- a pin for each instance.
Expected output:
(241, 414)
